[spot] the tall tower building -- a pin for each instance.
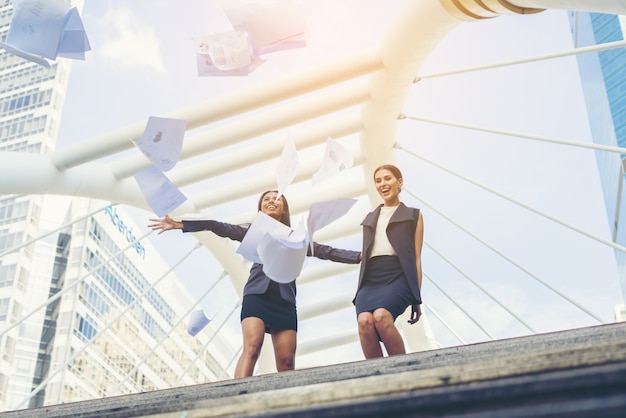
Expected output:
(31, 103)
(108, 330)
(604, 88)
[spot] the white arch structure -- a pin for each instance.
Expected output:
(359, 94)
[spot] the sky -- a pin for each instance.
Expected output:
(142, 64)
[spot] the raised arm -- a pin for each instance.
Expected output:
(222, 229)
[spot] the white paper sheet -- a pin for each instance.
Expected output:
(280, 249)
(287, 167)
(162, 141)
(197, 321)
(224, 54)
(282, 259)
(30, 57)
(227, 50)
(272, 25)
(324, 213)
(46, 29)
(336, 159)
(261, 225)
(160, 193)
(74, 42)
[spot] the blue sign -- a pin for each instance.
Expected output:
(125, 230)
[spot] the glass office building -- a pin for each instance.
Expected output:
(604, 88)
(79, 315)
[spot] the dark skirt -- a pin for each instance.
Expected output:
(276, 312)
(384, 286)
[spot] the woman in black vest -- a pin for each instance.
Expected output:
(267, 306)
(391, 271)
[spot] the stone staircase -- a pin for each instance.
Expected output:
(574, 373)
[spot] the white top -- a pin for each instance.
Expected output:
(382, 246)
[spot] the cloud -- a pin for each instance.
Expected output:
(129, 43)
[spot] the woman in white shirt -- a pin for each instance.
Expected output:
(391, 268)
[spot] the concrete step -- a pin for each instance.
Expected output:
(574, 373)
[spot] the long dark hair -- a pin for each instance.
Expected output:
(285, 217)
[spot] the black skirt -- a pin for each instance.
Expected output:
(384, 286)
(276, 312)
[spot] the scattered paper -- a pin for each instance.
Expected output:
(197, 321)
(162, 141)
(287, 167)
(74, 42)
(322, 214)
(261, 225)
(271, 25)
(43, 29)
(227, 50)
(336, 159)
(160, 193)
(225, 54)
(283, 258)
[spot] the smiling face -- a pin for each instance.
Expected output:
(388, 186)
(272, 207)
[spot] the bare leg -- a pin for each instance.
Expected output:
(368, 336)
(284, 342)
(253, 330)
(389, 334)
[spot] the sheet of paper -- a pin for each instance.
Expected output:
(160, 193)
(37, 26)
(324, 213)
(30, 57)
(261, 225)
(197, 321)
(227, 50)
(162, 141)
(272, 25)
(287, 167)
(336, 159)
(43, 29)
(282, 259)
(224, 54)
(74, 42)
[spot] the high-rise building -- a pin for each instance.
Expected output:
(604, 88)
(80, 317)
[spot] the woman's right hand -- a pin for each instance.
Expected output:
(164, 224)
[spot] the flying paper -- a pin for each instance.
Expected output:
(273, 244)
(261, 225)
(287, 167)
(197, 321)
(74, 42)
(271, 25)
(336, 159)
(324, 213)
(43, 29)
(280, 249)
(224, 54)
(160, 193)
(283, 257)
(162, 141)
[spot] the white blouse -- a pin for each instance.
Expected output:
(382, 246)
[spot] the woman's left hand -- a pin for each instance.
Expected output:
(416, 313)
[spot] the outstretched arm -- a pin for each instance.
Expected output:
(326, 252)
(222, 229)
